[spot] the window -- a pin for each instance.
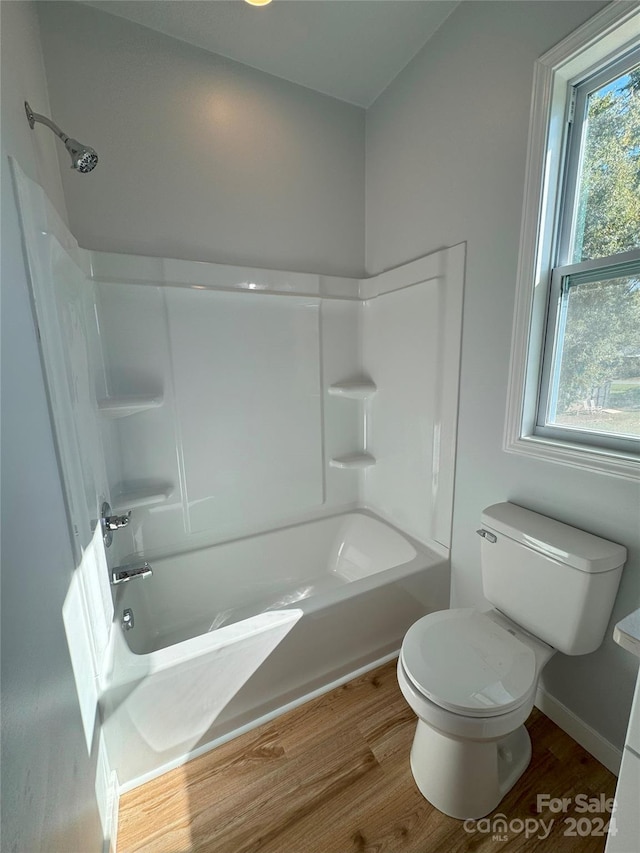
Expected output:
(574, 392)
(590, 390)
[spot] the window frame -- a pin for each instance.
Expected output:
(614, 266)
(610, 34)
(572, 159)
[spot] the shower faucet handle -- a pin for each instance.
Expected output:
(109, 523)
(115, 522)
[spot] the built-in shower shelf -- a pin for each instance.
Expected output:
(353, 460)
(122, 407)
(137, 497)
(355, 389)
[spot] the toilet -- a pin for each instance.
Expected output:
(471, 676)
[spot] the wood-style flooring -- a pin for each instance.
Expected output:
(333, 776)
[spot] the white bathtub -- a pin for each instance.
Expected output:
(227, 636)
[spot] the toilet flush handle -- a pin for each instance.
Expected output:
(487, 534)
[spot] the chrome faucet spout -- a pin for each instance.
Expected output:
(130, 572)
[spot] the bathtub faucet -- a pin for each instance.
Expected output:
(130, 572)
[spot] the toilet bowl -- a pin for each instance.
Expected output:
(471, 676)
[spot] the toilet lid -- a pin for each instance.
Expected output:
(466, 663)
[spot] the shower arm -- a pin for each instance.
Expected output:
(34, 117)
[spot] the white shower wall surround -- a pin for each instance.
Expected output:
(233, 404)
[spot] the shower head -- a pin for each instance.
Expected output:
(83, 158)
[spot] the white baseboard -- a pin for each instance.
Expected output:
(588, 738)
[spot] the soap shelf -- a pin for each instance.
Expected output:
(360, 388)
(132, 496)
(353, 461)
(122, 407)
(354, 389)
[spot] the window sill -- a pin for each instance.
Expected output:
(576, 456)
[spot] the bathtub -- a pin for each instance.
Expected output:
(227, 637)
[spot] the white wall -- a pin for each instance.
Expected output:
(48, 802)
(201, 157)
(446, 148)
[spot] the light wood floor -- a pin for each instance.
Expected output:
(333, 777)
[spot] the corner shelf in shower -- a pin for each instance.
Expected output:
(122, 407)
(354, 389)
(359, 388)
(134, 496)
(353, 461)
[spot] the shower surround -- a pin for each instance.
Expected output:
(251, 420)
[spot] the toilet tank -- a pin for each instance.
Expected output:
(557, 582)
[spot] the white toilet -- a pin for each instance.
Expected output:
(471, 676)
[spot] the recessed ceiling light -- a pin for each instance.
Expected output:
(258, 2)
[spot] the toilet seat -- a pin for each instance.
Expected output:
(466, 663)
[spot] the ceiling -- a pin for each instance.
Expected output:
(349, 49)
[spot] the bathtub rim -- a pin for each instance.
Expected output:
(151, 554)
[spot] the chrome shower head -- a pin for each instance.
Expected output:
(83, 158)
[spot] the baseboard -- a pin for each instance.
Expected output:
(606, 753)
